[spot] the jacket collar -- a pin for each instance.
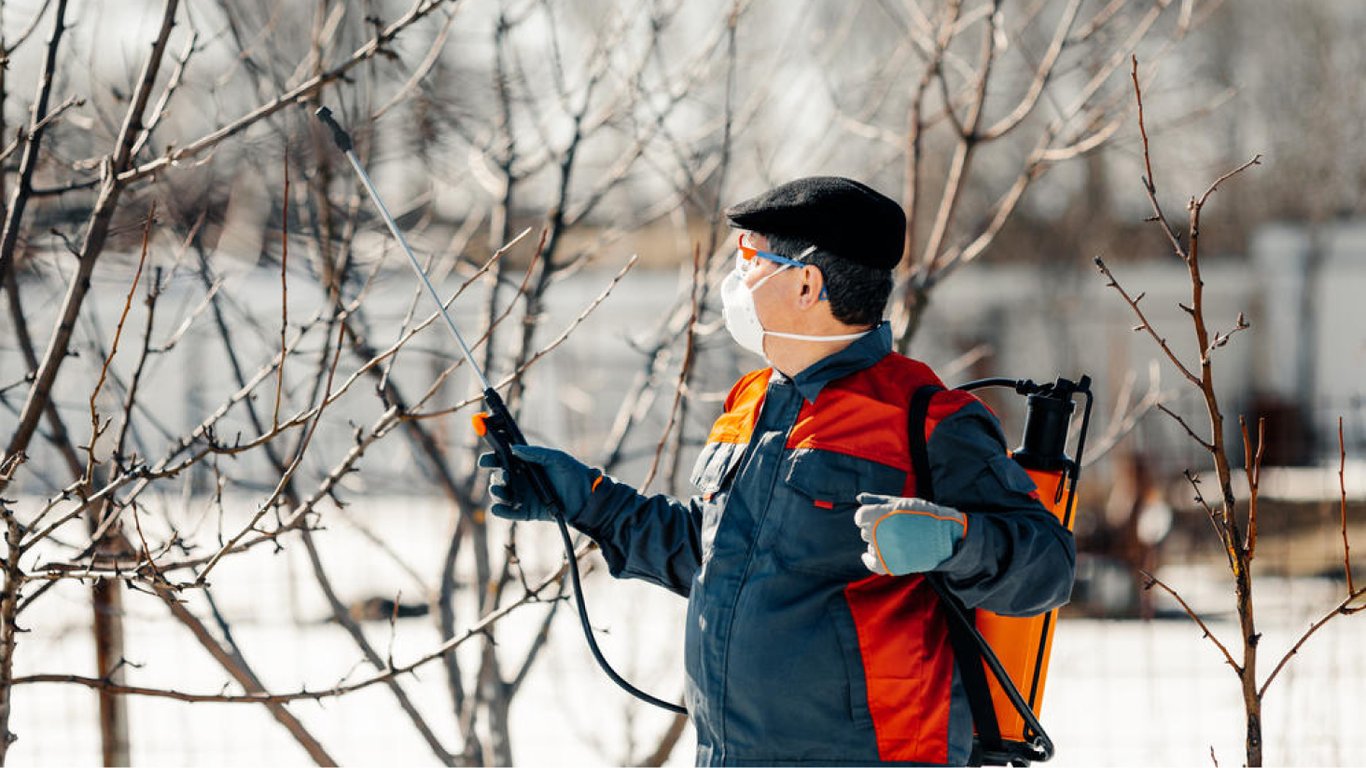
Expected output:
(860, 354)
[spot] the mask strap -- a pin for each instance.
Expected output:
(768, 277)
(804, 337)
(800, 336)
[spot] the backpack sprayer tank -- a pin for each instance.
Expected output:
(1023, 645)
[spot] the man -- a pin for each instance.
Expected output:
(812, 633)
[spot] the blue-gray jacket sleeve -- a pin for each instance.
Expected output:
(1016, 558)
(655, 538)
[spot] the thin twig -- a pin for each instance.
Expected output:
(1144, 325)
(1149, 184)
(23, 36)
(130, 397)
(48, 119)
(1127, 416)
(147, 557)
(284, 294)
(540, 353)
(1256, 160)
(1219, 523)
(1343, 608)
(172, 83)
(1154, 581)
(421, 70)
(539, 643)
(1342, 499)
(684, 370)
(1252, 465)
(269, 503)
(28, 162)
(1222, 338)
(1043, 73)
(95, 429)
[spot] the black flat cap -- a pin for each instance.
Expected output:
(841, 216)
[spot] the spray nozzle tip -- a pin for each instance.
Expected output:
(340, 136)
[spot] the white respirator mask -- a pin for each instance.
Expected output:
(742, 317)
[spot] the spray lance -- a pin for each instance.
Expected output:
(495, 425)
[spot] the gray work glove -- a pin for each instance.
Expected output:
(515, 499)
(907, 535)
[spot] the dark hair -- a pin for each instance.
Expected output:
(857, 293)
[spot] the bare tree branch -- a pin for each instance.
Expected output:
(38, 120)
(684, 370)
(299, 94)
(1252, 464)
(1149, 185)
(1144, 325)
(97, 230)
(1189, 431)
(236, 666)
(1342, 507)
(1256, 160)
(1343, 608)
(269, 503)
(478, 629)
(1042, 75)
(23, 36)
(1153, 581)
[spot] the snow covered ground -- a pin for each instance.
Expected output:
(1119, 693)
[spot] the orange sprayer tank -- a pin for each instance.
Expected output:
(1024, 644)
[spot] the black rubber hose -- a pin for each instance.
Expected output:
(588, 627)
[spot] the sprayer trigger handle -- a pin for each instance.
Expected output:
(501, 433)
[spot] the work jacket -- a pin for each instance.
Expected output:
(795, 652)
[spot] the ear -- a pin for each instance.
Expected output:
(813, 282)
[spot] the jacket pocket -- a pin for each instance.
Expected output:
(815, 507)
(842, 622)
(712, 475)
(715, 465)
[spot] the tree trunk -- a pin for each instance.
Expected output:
(1252, 700)
(9, 607)
(108, 628)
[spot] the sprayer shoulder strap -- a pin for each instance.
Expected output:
(960, 626)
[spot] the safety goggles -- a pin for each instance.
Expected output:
(747, 260)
